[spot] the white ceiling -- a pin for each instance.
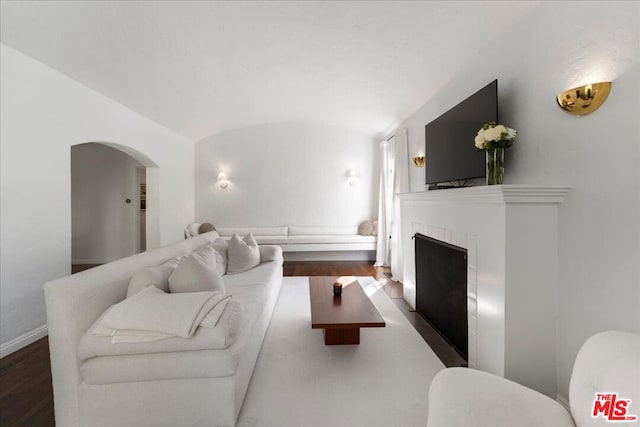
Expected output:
(201, 67)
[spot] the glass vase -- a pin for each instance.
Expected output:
(495, 166)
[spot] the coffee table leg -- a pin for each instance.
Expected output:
(339, 336)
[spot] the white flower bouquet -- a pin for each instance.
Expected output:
(492, 135)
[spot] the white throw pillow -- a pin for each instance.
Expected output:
(270, 253)
(157, 276)
(192, 229)
(173, 262)
(221, 247)
(243, 254)
(197, 272)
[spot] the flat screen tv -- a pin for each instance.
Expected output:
(451, 156)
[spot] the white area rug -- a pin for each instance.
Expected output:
(298, 381)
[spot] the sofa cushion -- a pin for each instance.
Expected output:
(326, 238)
(256, 231)
(243, 254)
(159, 366)
(197, 272)
(157, 276)
(271, 240)
(267, 240)
(298, 231)
(260, 275)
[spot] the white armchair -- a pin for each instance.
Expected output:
(608, 362)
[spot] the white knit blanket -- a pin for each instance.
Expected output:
(152, 314)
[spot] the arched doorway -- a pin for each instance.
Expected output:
(114, 208)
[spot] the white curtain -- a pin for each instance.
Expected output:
(401, 185)
(385, 206)
(394, 179)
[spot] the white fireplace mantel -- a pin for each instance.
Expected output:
(511, 236)
(492, 194)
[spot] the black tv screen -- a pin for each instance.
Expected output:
(449, 140)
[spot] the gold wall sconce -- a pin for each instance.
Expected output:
(418, 161)
(585, 99)
(223, 181)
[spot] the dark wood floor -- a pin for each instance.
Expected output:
(26, 394)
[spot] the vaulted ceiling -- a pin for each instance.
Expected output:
(204, 67)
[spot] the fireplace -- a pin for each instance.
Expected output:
(510, 233)
(441, 289)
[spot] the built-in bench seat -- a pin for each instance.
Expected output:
(342, 239)
(304, 239)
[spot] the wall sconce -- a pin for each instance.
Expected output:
(352, 177)
(584, 99)
(418, 161)
(223, 181)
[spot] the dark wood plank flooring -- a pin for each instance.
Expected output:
(26, 394)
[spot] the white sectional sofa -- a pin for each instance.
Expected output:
(175, 385)
(294, 239)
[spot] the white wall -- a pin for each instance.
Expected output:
(286, 174)
(44, 113)
(104, 226)
(558, 47)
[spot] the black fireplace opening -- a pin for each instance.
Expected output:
(441, 289)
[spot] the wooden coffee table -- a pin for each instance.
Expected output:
(341, 318)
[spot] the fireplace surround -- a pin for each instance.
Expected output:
(510, 233)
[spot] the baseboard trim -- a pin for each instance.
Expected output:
(23, 341)
(563, 401)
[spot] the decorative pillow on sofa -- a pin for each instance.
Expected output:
(221, 247)
(197, 272)
(192, 229)
(173, 262)
(374, 224)
(157, 276)
(365, 228)
(243, 254)
(205, 227)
